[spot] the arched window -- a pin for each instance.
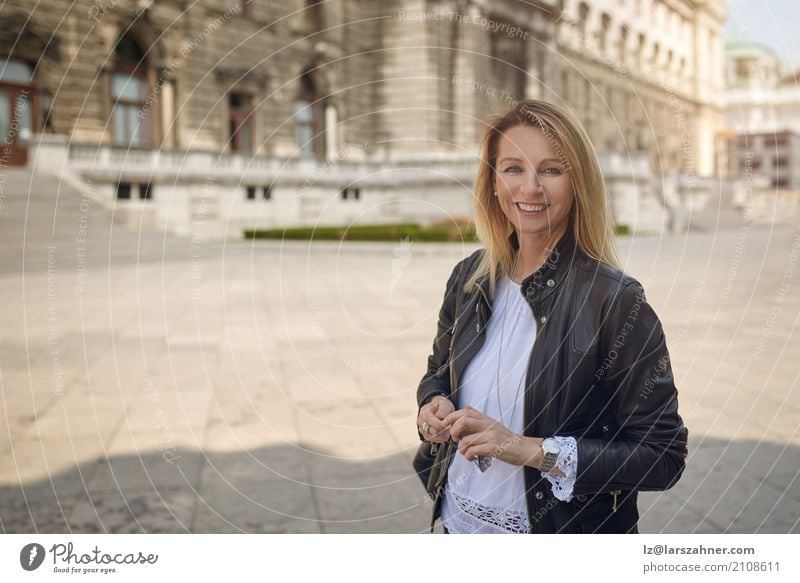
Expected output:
(130, 115)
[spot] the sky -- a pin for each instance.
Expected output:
(773, 23)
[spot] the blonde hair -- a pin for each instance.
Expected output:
(590, 219)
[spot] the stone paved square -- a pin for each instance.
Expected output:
(270, 387)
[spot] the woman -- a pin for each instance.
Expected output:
(549, 397)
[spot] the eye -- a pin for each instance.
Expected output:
(513, 169)
(552, 171)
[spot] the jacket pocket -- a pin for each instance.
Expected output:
(606, 513)
(597, 502)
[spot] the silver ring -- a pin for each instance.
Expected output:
(426, 428)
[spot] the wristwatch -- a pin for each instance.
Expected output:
(551, 450)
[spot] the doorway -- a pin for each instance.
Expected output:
(17, 102)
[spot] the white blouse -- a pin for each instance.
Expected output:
(494, 501)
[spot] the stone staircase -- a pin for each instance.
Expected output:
(45, 219)
(718, 212)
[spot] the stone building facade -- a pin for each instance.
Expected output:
(762, 117)
(223, 115)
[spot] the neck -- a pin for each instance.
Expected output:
(533, 252)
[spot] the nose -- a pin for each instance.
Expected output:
(532, 185)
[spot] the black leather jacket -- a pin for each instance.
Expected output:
(599, 371)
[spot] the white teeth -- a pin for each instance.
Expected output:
(531, 207)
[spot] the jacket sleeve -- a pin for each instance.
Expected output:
(648, 445)
(436, 379)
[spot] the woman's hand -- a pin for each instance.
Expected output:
(478, 434)
(432, 413)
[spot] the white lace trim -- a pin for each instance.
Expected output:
(502, 519)
(567, 462)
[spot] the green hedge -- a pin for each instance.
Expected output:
(431, 233)
(414, 232)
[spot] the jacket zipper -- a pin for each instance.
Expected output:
(440, 371)
(615, 493)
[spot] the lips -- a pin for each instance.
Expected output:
(526, 208)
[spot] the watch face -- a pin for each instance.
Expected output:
(550, 445)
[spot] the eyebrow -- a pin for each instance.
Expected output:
(513, 159)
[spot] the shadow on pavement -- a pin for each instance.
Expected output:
(737, 486)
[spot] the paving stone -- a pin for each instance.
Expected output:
(291, 407)
(261, 506)
(146, 510)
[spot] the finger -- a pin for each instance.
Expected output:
(466, 424)
(468, 441)
(433, 421)
(467, 411)
(445, 407)
(438, 437)
(480, 449)
(436, 433)
(451, 418)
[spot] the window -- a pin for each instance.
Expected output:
(745, 68)
(46, 105)
(350, 193)
(308, 119)
(251, 192)
(314, 16)
(15, 71)
(266, 192)
(746, 164)
(304, 126)
(583, 20)
(130, 120)
(640, 49)
(623, 43)
(771, 141)
(602, 33)
(240, 123)
(509, 62)
(123, 190)
(588, 118)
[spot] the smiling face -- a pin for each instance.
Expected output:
(533, 184)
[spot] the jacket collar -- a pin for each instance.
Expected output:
(542, 282)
